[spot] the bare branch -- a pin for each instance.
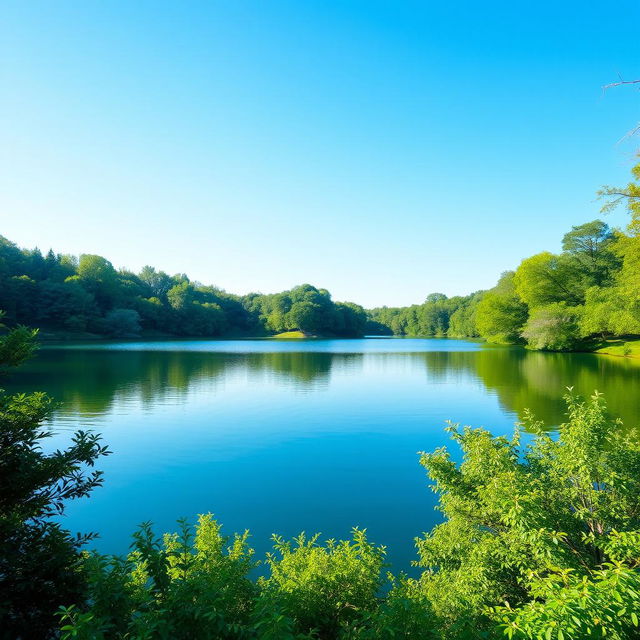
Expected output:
(629, 134)
(619, 83)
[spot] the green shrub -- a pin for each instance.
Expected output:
(553, 327)
(521, 520)
(40, 562)
(187, 585)
(325, 587)
(567, 604)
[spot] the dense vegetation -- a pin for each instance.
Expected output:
(40, 562)
(588, 292)
(63, 293)
(540, 540)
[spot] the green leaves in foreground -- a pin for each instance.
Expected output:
(40, 562)
(540, 540)
(196, 585)
(605, 603)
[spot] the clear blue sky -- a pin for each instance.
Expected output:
(382, 150)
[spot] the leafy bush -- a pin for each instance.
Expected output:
(16, 345)
(40, 563)
(183, 586)
(553, 328)
(196, 586)
(565, 604)
(325, 588)
(550, 529)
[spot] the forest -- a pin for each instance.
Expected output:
(558, 302)
(66, 295)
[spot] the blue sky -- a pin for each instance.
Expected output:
(382, 150)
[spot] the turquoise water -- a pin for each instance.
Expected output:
(285, 436)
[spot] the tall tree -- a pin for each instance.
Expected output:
(592, 244)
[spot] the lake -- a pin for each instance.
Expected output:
(285, 436)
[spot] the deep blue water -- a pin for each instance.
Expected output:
(286, 436)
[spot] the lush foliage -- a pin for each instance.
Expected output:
(308, 309)
(16, 345)
(557, 302)
(553, 327)
(540, 540)
(501, 313)
(197, 586)
(40, 563)
(64, 294)
(437, 316)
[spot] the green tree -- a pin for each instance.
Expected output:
(158, 282)
(609, 312)
(591, 244)
(40, 563)
(62, 303)
(181, 295)
(547, 278)
(349, 319)
(615, 310)
(628, 196)
(99, 277)
(501, 314)
(305, 316)
(122, 323)
(463, 321)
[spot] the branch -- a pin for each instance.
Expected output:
(620, 83)
(629, 134)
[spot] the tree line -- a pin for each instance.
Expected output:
(588, 292)
(570, 300)
(88, 294)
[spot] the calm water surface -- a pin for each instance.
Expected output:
(274, 436)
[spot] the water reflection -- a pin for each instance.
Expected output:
(89, 382)
(537, 381)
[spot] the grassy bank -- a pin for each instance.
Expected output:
(620, 347)
(292, 335)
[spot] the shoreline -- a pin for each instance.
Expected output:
(615, 349)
